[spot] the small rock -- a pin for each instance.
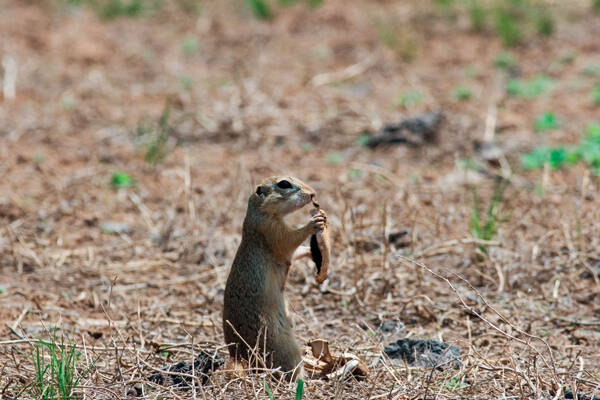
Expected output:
(570, 395)
(204, 364)
(424, 353)
(588, 274)
(413, 131)
(461, 177)
(400, 238)
(586, 335)
(489, 151)
(391, 326)
(135, 391)
(366, 246)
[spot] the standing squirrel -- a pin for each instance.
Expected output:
(255, 316)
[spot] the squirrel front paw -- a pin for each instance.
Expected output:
(317, 221)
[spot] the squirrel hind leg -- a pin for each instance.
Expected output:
(286, 356)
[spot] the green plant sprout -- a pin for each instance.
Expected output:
(354, 174)
(544, 22)
(596, 96)
(505, 60)
(591, 70)
(112, 9)
(155, 137)
(462, 93)
(588, 151)
(455, 384)
(546, 122)
(471, 71)
(260, 9)
(121, 180)
(507, 27)
(529, 89)
(363, 139)
(513, 21)
(485, 227)
(409, 98)
(335, 158)
(477, 14)
(190, 45)
(186, 82)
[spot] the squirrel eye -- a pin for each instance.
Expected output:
(284, 184)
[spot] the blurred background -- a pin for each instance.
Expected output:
(316, 76)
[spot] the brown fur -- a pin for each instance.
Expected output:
(254, 302)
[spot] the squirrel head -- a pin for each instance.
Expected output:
(281, 195)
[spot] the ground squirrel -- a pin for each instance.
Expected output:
(255, 314)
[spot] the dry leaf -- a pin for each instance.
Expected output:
(333, 366)
(320, 247)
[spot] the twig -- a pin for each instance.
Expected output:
(204, 323)
(344, 74)
(550, 365)
(257, 358)
(10, 77)
(490, 123)
(576, 322)
(135, 199)
(100, 389)
(79, 346)
(17, 334)
(389, 176)
(18, 320)
(451, 243)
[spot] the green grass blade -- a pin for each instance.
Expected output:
(260, 9)
(268, 390)
(300, 389)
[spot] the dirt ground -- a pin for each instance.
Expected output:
(134, 276)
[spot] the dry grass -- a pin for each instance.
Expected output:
(291, 96)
